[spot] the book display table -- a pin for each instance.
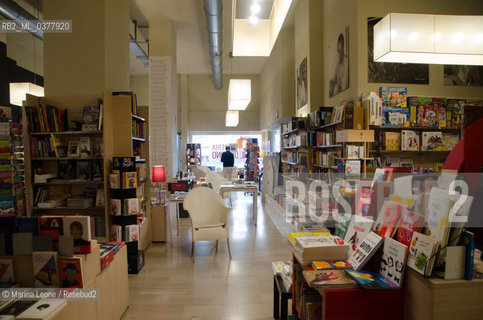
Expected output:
(350, 304)
(280, 298)
(251, 188)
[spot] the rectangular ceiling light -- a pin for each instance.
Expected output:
(426, 38)
(231, 118)
(239, 94)
(19, 90)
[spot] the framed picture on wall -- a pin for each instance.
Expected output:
(302, 84)
(384, 72)
(460, 75)
(339, 63)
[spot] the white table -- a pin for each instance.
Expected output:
(243, 188)
(172, 201)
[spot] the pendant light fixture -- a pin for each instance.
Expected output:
(231, 118)
(426, 38)
(239, 94)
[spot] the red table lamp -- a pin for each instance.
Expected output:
(159, 175)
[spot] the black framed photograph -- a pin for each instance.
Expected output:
(461, 75)
(384, 72)
(302, 84)
(339, 63)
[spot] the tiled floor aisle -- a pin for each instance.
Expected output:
(171, 287)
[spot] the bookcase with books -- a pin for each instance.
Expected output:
(64, 145)
(295, 149)
(412, 131)
(193, 155)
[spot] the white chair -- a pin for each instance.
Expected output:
(216, 179)
(209, 217)
(200, 171)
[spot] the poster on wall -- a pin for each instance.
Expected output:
(463, 75)
(384, 72)
(302, 84)
(339, 63)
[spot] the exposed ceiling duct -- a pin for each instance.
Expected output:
(214, 25)
(13, 11)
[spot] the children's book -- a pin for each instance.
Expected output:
(365, 250)
(438, 215)
(331, 264)
(359, 228)
(129, 180)
(432, 141)
(79, 227)
(394, 106)
(342, 226)
(115, 233)
(392, 141)
(439, 105)
(364, 202)
(90, 115)
(394, 256)
(114, 180)
(371, 280)
(45, 269)
(352, 169)
(115, 207)
(409, 140)
(71, 272)
(83, 170)
(408, 224)
(421, 250)
(378, 176)
(387, 219)
(329, 279)
(131, 232)
(131, 206)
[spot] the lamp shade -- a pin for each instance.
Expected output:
(231, 118)
(159, 175)
(239, 94)
(426, 38)
(19, 90)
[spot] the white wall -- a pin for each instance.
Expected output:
(140, 85)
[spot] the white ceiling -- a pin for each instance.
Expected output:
(192, 38)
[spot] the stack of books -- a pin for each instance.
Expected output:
(54, 203)
(322, 247)
(80, 202)
(284, 270)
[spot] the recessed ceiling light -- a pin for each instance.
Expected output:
(253, 19)
(255, 8)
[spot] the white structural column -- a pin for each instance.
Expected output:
(163, 89)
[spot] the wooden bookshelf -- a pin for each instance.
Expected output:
(75, 106)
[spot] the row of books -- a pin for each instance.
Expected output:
(295, 123)
(127, 207)
(409, 140)
(46, 118)
(325, 158)
(393, 107)
(283, 269)
(127, 233)
(299, 158)
(138, 129)
(7, 206)
(18, 167)
(295, 141)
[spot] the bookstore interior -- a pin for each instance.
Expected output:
(241, 159)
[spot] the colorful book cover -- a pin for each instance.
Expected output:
(331, 264)
(439, 104)
(387, 219)
(115, 207)
(394, 256)
(71, 272)
(359, 228)
(453, 112)
(394, 106)
(45, 269)
(90, 115)
(409, 140)
(114, 180)
(421, 251)
(329, 279)
(131, 206)
(115, 233)
(392, 141)
(364, 202)
(6, 271)
(371, 280)
(51, 226)
(131, 232)
(352, 169)
(342, 226)
(430, 115)
(437, 215)
(291, 237)
(365, 250)
(79, 227)
(129, 180)
(409, 223)
(432, 141)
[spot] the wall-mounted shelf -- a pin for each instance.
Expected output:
(328, 146)
(66, 158)
(326, 126)
(138, 139)
(66, 133)
(415, 128)
(136, 117)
